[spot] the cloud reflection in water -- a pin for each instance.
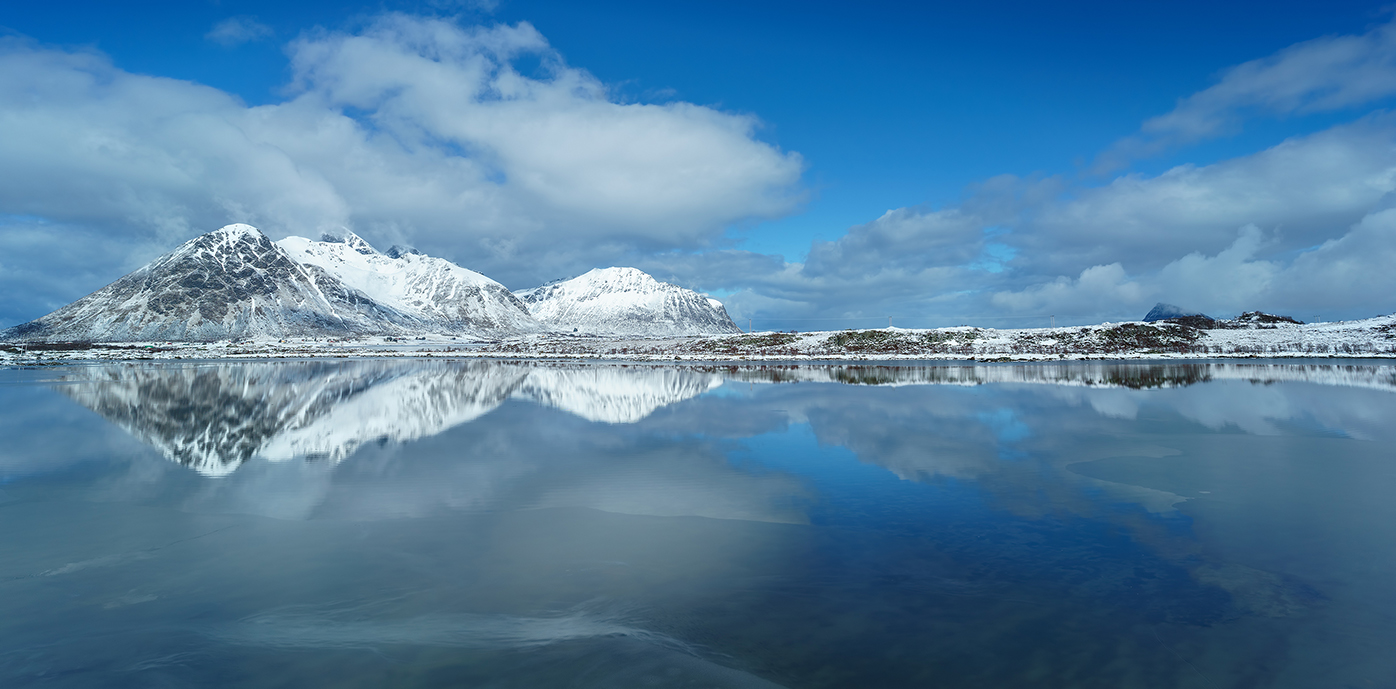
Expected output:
(1145, 512)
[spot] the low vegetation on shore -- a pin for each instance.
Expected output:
(1375, 337)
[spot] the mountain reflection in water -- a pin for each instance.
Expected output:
(536, 524)
(214, 417)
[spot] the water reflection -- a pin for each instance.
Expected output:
(547, 524)
(215, 417)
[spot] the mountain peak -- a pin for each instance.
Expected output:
(623, 278)
(231, 282)
(236, 229)
(347, 237)
(625, 301)
(227, 239)
(626, 271)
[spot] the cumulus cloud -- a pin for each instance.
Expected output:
(901, 241)
(1351, 269)
(909, 262)
(1228, 282)
(1308, 187)
(416, 130)
(1301, 225)
(238, 30)
(548, 152)
(1320, 75)
(481, 144)
(1238, 235)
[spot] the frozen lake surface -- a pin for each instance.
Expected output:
(425, 523)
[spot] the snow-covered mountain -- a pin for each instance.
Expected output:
(625, 301)
(441, 295)
(234, 282)
(229, 283)
(213, 418)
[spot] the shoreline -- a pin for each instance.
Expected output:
(1373, 338)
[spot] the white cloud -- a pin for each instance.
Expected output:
(427, 132)
(1320, 75)
(544, 153)
(1097, 289)
(1227, 283)
(1306, 187)
(415, 130)
(1352, 269)
(1300, 226)
(238, 30)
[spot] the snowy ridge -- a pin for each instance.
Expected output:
(625, 301)
(442, 296)
(230, 283)
(213, 418)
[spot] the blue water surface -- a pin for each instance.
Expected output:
(538, 524)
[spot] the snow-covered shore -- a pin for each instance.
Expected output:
(1367, 338)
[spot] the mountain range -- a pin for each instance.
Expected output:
(213, 418)
(236, 283)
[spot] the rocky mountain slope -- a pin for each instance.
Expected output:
(625, 301)
(441, 296)
(230, 283)
(235, 283)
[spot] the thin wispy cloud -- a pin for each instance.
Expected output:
(1320, 75)
(235, 31)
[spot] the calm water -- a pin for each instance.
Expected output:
(427, 523)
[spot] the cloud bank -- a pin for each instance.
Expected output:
(1303, 226)
(481, 144)
(413, 129)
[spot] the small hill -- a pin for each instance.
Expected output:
(1163, 312)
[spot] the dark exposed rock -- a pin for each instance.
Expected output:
(1259, 318)
(1200, 322)
(1162, 312)
(231, 283)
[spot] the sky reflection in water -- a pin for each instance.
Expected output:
(427, 523)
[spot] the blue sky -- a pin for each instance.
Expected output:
(813, 164)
